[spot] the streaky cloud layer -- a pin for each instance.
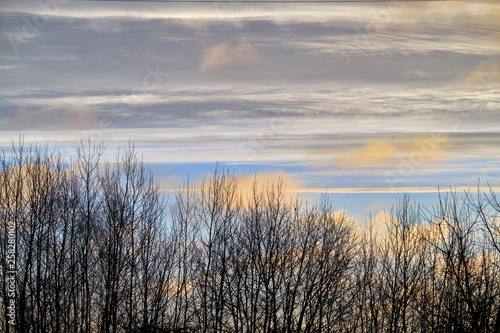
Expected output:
(365, 97)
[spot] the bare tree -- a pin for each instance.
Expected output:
(217, 211)
(402, 267)
(97, 249)
(467, 275)
(185, 241)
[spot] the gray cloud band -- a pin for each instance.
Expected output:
(32, 25)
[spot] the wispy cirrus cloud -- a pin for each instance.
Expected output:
(235, 77)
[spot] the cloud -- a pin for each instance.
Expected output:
(385, 152)
(170, 183)
(264, 179)
(224, 54)
(485, 73)
(379, 223)
(55, 117)
(417, 73)
(378, 152)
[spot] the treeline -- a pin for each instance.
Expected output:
(99, 249)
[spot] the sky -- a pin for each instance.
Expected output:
(364, 101)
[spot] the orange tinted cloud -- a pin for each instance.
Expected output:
(383, 152)
(267, 179)
(56, 118)
(379, 223)
(485, 72)
(224, 54)
(377, 152)
(246, 182)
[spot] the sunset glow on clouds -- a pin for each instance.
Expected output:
(363, 97)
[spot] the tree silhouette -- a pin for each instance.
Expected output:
(99, 249)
